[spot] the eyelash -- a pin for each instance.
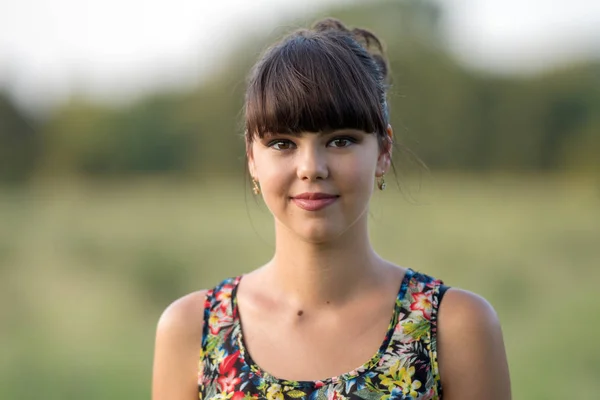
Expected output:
(348, 139)
(274, 143)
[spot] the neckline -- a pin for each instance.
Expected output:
(372, 362)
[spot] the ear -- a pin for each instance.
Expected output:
(385, 156)
(250, 158)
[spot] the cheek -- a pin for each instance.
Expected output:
(363, 184)
(274, 184)
(360, 172)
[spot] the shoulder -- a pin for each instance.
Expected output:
(184, 316)
(471, 353)
(463, 309)
(177, 348)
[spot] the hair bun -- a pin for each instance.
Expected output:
(330, 24)
(367, 39)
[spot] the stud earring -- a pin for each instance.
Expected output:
(255, 187)
(381, 183)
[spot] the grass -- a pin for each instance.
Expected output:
(85, 272)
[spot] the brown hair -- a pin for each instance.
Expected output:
(320, 79)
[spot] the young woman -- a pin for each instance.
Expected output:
(326, 317)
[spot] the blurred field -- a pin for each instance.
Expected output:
(85, 272)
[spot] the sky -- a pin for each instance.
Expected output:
(108, 48)
(523, 35)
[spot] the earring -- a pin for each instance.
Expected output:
(255, 187)
(381, 183)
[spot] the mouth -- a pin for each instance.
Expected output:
(314, 201)
(315, 196)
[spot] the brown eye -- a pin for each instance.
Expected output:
(341, 142)
(281, 144)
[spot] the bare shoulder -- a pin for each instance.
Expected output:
(462, 308)
(184, 316)
(177, 349)
(471, 352)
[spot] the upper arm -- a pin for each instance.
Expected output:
(177, 349)
(471, 353)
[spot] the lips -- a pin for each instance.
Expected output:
(314, 201)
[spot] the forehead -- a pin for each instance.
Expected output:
(301, 134)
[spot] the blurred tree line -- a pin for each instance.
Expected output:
(449, 116)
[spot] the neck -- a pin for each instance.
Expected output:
(313, 274)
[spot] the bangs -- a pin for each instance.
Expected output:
(313, 83)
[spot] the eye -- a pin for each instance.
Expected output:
(281, 144)
(341, 142)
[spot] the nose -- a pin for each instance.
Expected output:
(312, 163)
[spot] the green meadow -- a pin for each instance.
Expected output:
(86, 270)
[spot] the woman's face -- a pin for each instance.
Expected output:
(318, 185)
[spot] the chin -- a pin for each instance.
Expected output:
(318, 229)
(318, 232)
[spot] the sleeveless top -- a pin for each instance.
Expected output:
(405, 366)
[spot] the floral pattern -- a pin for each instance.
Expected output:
(405, 368)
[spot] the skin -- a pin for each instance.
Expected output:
(330, 295)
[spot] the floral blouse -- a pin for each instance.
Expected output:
(405, 367)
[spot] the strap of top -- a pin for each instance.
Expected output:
(437, 292)
(218, 310)
(442, 292)
(218, 315)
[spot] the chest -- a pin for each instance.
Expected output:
(309, 348)
(402, 368)
(367, 353)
